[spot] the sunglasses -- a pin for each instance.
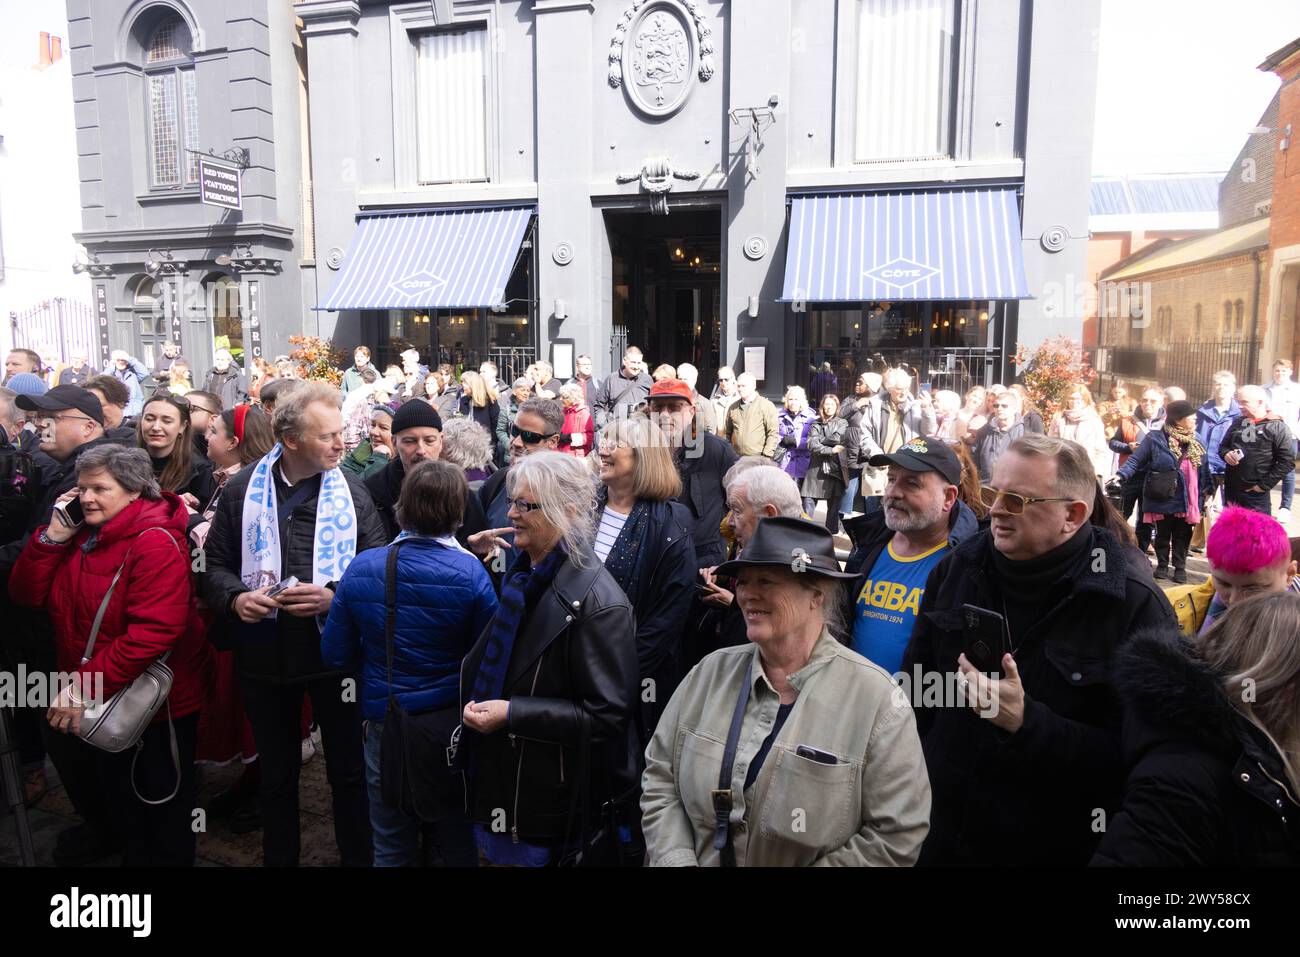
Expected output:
(530, 438)
(1012, 502)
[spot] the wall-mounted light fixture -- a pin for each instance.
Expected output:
(560, 312)
(154, 259)
(753, 307)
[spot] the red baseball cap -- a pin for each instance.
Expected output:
(672, 389)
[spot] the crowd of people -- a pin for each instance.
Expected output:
(545, 623)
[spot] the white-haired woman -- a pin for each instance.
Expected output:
(548, 690)
(803, 785)
(579, 428)
(1212, 737)
(947, 412)
(467, 445)
(793, 424)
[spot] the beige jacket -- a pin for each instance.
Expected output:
(870, 808)
(752, 427)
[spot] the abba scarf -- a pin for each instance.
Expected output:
(523, 586)
(335, 536)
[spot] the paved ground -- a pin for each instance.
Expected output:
(218, 846)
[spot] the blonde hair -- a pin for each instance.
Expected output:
(1082, 391)
(1255, 647)
(480, 393)
(655, 473)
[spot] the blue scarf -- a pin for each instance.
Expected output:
(520, 591)
(624, 560)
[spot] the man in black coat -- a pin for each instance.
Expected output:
(1024, 768)
(279, 658)
(621, 393)
(417, 435)
(1258, 451)
(702, 460)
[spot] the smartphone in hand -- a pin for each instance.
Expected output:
(283, 585)
(70, 513)
(985, 639)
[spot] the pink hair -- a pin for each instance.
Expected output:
(1242, 542)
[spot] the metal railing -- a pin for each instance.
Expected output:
(511, 361)
(59, 324)
(955, 368)
(1189, 365)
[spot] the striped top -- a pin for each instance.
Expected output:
(611, 523)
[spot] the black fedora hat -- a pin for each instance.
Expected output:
(793, 543)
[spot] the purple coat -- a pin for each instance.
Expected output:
(794, 458)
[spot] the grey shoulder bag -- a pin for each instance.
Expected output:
(121, 721)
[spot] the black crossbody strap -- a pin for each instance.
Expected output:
(723, 798)
(390, 609)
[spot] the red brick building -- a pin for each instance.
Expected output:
(1230, 298)
(1282, 279)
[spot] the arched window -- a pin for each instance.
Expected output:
(1240, 308)
(146, 293)
(1227, 318)
(1196, 322)
(172, 104)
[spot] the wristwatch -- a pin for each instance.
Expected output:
(46, 540)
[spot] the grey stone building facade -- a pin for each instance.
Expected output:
(798, 187)
(156, 83)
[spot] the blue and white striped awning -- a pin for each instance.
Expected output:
(951, 244)
(446, 259)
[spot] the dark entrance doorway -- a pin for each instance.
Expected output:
(667, 280)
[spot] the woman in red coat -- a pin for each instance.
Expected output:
(133, 526)
(578, 430)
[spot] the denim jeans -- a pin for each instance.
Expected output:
(1288, 489)
(850, 493)
(397, 834)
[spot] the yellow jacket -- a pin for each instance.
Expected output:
(1191, 602)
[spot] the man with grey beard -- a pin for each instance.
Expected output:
(895, 547)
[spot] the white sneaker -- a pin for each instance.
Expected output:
(1284, 516)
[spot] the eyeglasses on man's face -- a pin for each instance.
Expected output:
(1012, 502)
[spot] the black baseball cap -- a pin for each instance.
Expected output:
(63, 397)
(924, 455)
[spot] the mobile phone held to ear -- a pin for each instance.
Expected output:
(280, 586)
(70, 513)
(985, 639)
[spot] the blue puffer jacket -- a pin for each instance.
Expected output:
(1155, 455)
(444, 601)
(1211, 427)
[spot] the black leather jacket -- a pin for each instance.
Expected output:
(573, 664)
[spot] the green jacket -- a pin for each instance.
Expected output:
(752, 427)
(870, 808)
(364, 462)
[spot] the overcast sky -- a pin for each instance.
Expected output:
(1177, 84)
